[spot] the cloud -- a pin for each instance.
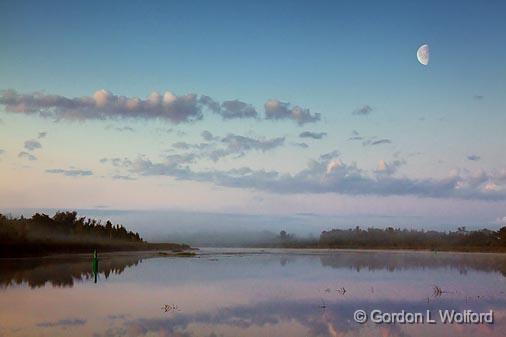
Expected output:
(355, 136)
(231, 144)
(42, 135)
(103, 105)
(241, 144)
(314, 135)
(32, 144)
(62, 323)
(119, 162)
(179, 133)
(182, 145)
(238, 145)
(362, 111)
(208, 136)
(237, 109)
(388, 168)
(210, 103)
(473, 157)
(302, 145)
(333, 166)
(329, 155)
(329, 174)
(71, 172)
(121, 177)
(26, 155)
(120, 128)
(374, 142)
(276, 110)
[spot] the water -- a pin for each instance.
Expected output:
(238, 292)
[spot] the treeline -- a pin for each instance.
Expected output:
(63, 226)
(65, 232)
(395, 238)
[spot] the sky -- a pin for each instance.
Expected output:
(309, 110)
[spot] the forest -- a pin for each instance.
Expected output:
(65, 232)
(396, 238)
(480, 240)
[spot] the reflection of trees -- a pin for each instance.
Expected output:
(392, 261)
(60, 271)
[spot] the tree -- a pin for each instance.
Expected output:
(283, 235)
(108, 227)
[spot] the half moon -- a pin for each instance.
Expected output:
(422, 54)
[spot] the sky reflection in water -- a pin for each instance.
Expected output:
(247, 293)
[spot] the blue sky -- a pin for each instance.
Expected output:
(438, 129)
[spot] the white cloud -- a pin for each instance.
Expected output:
(333, 165)
(329, 175)
(388, 168)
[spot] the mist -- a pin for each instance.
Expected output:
(207, 229)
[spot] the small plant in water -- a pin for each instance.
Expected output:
(437, 291)
(170, 308)
(341, 291)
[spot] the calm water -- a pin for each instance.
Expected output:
(248, 293)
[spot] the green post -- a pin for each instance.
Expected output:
(95, 265)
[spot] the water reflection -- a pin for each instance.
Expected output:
(333, 321)
(248, 293)
(62, 271)
(65, 270)
(94, 264)
(393, 261)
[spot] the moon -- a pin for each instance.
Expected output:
(422, 54)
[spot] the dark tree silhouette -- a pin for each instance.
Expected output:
(63, 226)
(66, 232)
(462, 239)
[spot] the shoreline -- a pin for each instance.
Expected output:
(368, 249)
(172, 249)
(102, 256)
(42, 249)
